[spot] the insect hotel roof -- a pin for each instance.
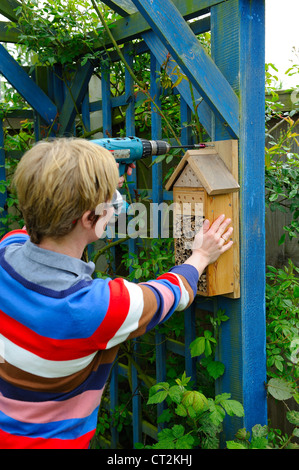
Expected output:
(201, 169)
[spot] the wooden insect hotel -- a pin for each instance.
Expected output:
(205, 185)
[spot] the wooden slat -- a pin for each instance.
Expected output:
(213, 173)
(252, 201)
(7, 8)
(220, 274)
(135, 25)
(122, 7)
(8, 34)
(170, 26)
(209, 169)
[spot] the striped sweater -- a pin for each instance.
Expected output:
(57, 345)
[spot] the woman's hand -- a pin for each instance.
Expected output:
(210, 242)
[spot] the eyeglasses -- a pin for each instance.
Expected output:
(116, 202)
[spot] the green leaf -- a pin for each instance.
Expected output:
(221, 397)
(215, 369)
(197, 346)
(217, 414)
(155, 388)
(233, 407)
(138, 273)
(157, 398)
(165, 416)
(208, 348)
(159, 159)
(280, 389)
(282, 239)
(165, 439)
(259, 431)
(296, 292)
(293, 417)
(235, 445)
(185, 442)
(242, 434)
(178, 430)
(181, 410)
(259, 443)
(2, 188)
(175, 393)
(273, 197)
(165, 444)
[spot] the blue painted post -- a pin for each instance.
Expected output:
(3, 195)
(58, 86)
(74, 95)
(85, 112)
(106, 102)
(190, 335)
(130, 131)
(156, 131)
(157, 198)
(189, 314)
(114, 402)
(107, 132)
(239, 53)
(185, 119)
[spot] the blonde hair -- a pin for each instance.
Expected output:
(58, 180)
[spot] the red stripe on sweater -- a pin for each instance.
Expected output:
(117, 312)
(10, 441)
(170, 277)
(67, 349)
(14, 232)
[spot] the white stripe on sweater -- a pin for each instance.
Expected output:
(29, 362)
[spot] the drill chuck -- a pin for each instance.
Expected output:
(159, 147)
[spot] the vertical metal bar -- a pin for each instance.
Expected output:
(238, 49)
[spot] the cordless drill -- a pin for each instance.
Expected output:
(127, 150)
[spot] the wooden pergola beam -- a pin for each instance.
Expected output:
(27, 88)
(122, 7)
(7, 8)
